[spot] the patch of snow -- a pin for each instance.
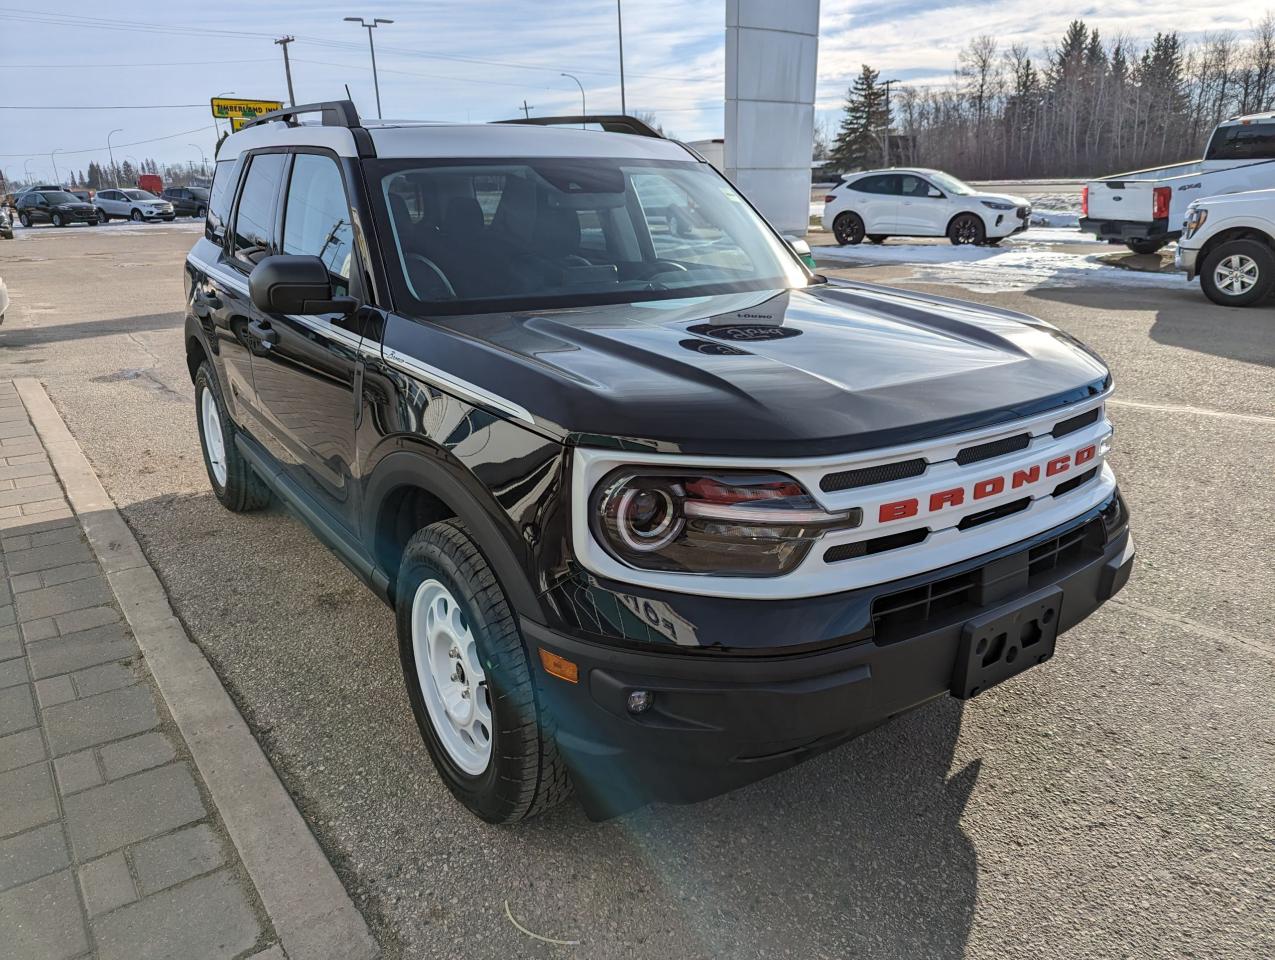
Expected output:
(999, 270)
(1062, 234)
(1055, 218)
(115, 226)
(816, 209)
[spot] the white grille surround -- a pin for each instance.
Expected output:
(944, 542)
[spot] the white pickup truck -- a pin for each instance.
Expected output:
(1145, 209)
(1229, 243)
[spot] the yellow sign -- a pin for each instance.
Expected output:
(239, 112)
(238, 123)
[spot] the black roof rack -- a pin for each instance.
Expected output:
(336, 113)
(610, 122)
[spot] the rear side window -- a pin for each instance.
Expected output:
(220, 199)
(1244, 141)
(880, 183)
(254, 217)
(316, 219)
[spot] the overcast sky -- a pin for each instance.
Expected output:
(466, 59)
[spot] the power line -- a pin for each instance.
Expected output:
(141, 63)
(129, 106)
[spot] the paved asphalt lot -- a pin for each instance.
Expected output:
(1118, 802)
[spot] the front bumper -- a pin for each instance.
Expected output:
(718, 721)
(1184, 258)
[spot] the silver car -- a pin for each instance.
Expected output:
(131, 204)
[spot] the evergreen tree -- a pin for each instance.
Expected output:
(864, 124)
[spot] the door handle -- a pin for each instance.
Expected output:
(263, 332)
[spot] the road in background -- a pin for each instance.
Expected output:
(1116, 802)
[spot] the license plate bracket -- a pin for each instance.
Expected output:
(1006, 641)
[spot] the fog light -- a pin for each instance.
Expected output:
(640, 701)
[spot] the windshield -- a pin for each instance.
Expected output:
(949, 184)
(491, 235)
(60, 196)
(140, 195)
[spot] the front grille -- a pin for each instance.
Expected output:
(1072, 424)
(863, 548)
(996, 513)
(867, 476)
(1079, 480)
(993, 448)
(897, 616)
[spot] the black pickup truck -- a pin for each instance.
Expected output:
(660, 511)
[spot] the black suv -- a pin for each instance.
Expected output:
(57, 207)
(659, 511)
(187, 201)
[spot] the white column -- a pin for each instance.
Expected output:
(772, 49)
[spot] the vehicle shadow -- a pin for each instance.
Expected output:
(1185, 318)
(18, 337)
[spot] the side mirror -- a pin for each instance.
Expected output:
(801, 249)
(295, 284)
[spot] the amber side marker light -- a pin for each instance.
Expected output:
(559, 667)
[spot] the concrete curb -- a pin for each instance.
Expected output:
(311, 912)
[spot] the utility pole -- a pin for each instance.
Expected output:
(57, 177)
(112, 153)
(886, 141)
(619, 23)
(372, 47)
(287, 68)
(526, 110)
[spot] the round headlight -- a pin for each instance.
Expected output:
(645, 518)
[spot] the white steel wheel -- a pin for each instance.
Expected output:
(214, 438)
(452, 682)
(1236, 275)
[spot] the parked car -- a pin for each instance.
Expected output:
(188, 201)
(85, 195)
(879, 204)
(54, 206)
(6, 225)
(1145, 209)
(1229, 243)
(654, 521)
(41, 186)
(130, 204)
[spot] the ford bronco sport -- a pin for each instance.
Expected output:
(659, 511)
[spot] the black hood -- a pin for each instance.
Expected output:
(823, 370)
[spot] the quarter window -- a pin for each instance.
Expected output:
(254, 219)
(316, 220)
(223, 192)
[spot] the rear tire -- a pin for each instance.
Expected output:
(1145, 246)
(877, 238)
(966, 229)
(456, 692)
(24, 220)
(848, 228)
(201, 213)
(232, 478)
(1238, 273)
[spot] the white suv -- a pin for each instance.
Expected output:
(131, 204)
(900, 202)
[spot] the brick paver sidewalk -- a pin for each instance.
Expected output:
(109, 847)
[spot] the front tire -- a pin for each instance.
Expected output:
(848, 228)
(470, 680)
(137, 216)
(57, 220)
(1238, 273)
(102, 217)
(24, 220)
(966, 229)
(1145, 246)
(233, 480)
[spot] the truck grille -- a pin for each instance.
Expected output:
(996, 448)
(868, 476)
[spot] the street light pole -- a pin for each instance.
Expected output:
(56, 176)
(886, 144)
(111, 152)
(287, 67)
(584, 109)
(203, 160)
(26, 167)
(376, 83)
(619, 23)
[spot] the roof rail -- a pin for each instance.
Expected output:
(336, 113)
(610, 122)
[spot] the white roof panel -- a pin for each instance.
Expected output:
(518, 140)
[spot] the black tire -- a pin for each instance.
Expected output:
(1145, 246)
(966, 229)
(877, 238)
(525, 775)
(243, 490)
(136, 216)
(1245, 261)
(848, 228)
(201, 213)
(57, 220)
(102, 217)
(24, 219)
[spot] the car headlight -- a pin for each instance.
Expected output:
(997, 205)
(1195, 218)
(728, 523)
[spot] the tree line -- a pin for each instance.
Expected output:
(1088, 106)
